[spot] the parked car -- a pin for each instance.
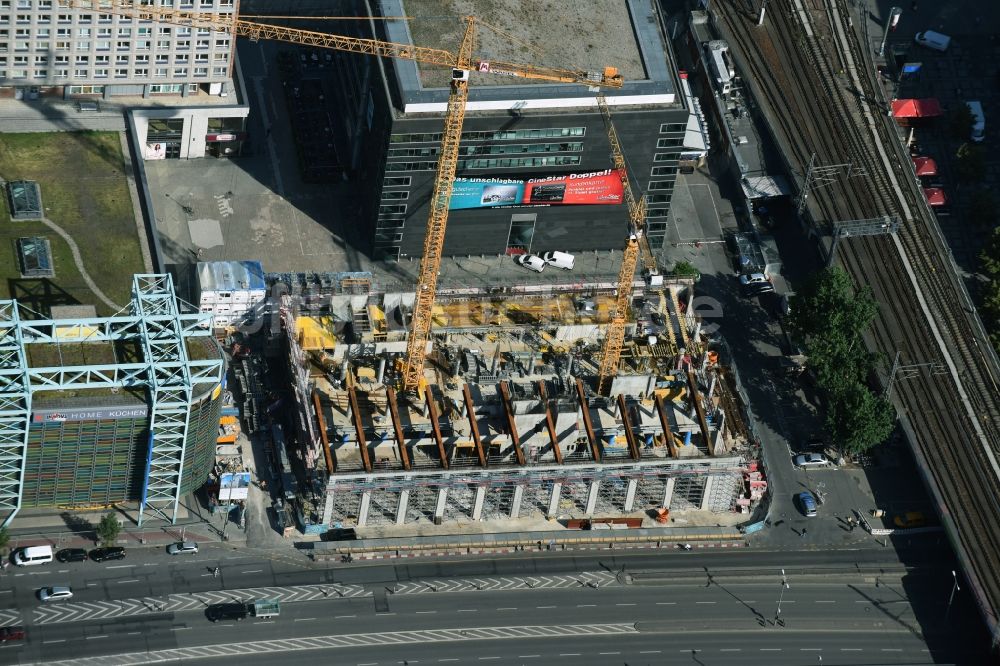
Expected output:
(8, 634)
(72, 555)
(55, 593)
(810, 460)
(807, 503)
(105, 554)
(182, 548)
(755, 284)
(234, 611)
(910, 519)
(531, 261)
(561, 260)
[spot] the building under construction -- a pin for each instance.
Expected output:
(507, 424)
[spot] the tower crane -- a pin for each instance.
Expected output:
(461, 64)
(611, 349)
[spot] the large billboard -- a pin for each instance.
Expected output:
(234, 486)
(596, 187)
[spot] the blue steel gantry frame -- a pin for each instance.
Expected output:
(157, 323)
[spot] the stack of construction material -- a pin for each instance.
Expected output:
(230, 290)
(229, 430)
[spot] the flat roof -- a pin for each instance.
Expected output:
(566, 33)
(587, 35)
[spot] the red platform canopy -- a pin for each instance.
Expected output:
(916, 108)
(935, 196)
(925, 166)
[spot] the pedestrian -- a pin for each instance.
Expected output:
(215, 573)
(803, 532)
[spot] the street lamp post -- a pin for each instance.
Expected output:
(890, 25)
(951, 597)
(781, 595)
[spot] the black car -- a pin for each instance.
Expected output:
(72, 555)
(235, 611)
(105, 554)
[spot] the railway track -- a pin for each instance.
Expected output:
(816, 84)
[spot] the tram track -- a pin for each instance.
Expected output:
(804, 62)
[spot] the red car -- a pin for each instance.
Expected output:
(11, 634)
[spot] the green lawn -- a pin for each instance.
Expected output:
(85, 192)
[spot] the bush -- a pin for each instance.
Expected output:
(108, 529)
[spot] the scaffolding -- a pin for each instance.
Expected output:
(162, 333)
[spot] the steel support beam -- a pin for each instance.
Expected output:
(477, 507)
(661, 410)
(442, 501)
(633, 445)
(554, 500)
(700, 410)
(359, 427)
(331, 464)
(668, 492)
(592, 492)
(328, 509)
(706, 496)
(508, 409)
(630, 489)
(404, 499)
(550, 422)
(515, 502)
(588, 426)
(397, 427)
(432, 415)
(366, 503)
(470, 412)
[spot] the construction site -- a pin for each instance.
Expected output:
(507, 421)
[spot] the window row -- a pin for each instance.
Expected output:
(118, 73)
(501, 149)
(497, 163)
(24, 60)
(504, 135)
(666, 128)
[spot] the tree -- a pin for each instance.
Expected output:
(857, 419)
(108, 529)
(828, 316)
(971, 162)
(686, 269)
(990, 256)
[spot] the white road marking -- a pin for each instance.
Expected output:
(487, 658)
(468, 610)
(586, 605)
(60, 640)
(704, 602)
(544, 606)
(650, 651)
(850, 649)
(186, 628)
(133, 633)
(506, 609)
(892, 649)
(730, 649)
(770, 649)
(426, 612)
(119, 566)
(90, 638)
(304, 619)
(666, 603)
(569, 654)
(634, 604)
(823, 601)
(342, 617)
(602, 653)
(130, 580)
(528, 656)
(253, 571)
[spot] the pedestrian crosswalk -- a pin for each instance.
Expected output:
(332, 641)
(191, 601)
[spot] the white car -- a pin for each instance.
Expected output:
(182, 547)
(531, 261)
(810, 460)
(55, 593)
(753, 279)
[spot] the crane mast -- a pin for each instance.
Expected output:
(461, 64)
(611, 348)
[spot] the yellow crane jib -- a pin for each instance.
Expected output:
(461, 63)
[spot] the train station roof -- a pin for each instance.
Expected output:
(916, 108)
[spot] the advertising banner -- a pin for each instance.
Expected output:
(234, 486)
(156, 151)
(485, 192)
(599, 187)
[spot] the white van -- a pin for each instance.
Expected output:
(978, 120)
(561, 260)
(33, 555)
(933, 40)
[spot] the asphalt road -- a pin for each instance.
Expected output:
(474, 611)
